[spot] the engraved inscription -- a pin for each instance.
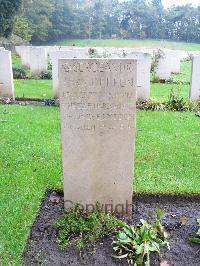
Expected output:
(95, 99)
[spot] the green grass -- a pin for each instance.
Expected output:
(41, 89)
(132, 43)
(167, 152)
(16, 60)
(167, 161)
(161, 92)
(185, 74)
(30, 163)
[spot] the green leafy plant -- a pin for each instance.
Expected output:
(155, 61)
(175, 102)
(85, 228)
(151, 105)
(19, 73)
(137, 242)
(196, 240)
(46, 75)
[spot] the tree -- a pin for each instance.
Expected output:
(49, 20)
(38, 14)
(21, 28)
(8, 9)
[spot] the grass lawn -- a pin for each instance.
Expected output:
(167, 152)
(30, 162)
(161, 92)
(132, 43)
(16, 60)
(185, 74)
(41, 89)
(167, 161)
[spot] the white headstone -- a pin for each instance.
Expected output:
(195, 80)
(143, 74)
(6, 75)
(176, 63)
(143, 71)
(163, 64)
(24, 52)
(54, 57)
(38, 60)
(98, 107)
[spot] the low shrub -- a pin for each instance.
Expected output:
(46, 75)
(175, 102)
(19, 73)
(85, 228)
(151, 105)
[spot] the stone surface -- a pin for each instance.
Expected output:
(168, 62)
(6, 75)
(143, 74)
(54, 57)
(38, 60)
(163, 67)
(24, 53)
(98, 102)
(143, 67)
(195, 80)
(176, 62)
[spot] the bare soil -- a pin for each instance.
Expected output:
(179, 220)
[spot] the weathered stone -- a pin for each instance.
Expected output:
(24, 52)
(6, 75)
(54, 57)
(195, 80)
(38, 60)
(98, 102)
(163, 62)
(143, 71)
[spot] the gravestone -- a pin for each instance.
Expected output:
(143, 71)
(143, 74)
(195, 79)
(54, 57)
(176, 62)
(98, 106)
(38, 60)
(6, 75)
(24, 52)
(165, 64)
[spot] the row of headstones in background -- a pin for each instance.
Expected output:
(98, 106)
(168, 61)
(6, 74)
(35, 58)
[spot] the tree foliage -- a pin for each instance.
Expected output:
(8, 8)
(50, 20)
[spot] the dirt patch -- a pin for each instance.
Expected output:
(179, 220)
